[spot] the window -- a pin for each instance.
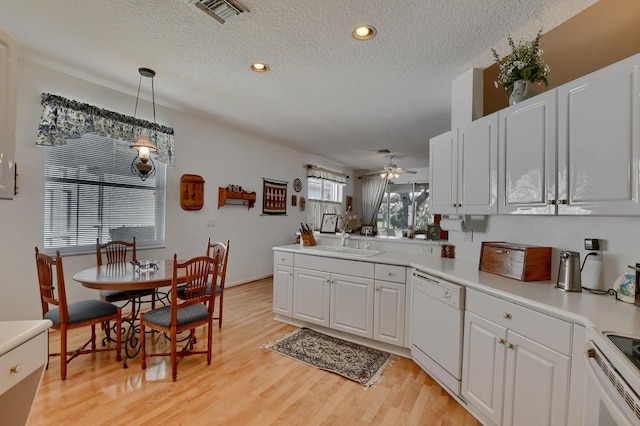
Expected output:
(91, 193)
(405, 206)
(325, 190)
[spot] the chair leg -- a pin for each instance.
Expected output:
(143, 351)
(63, 351)
(210, 338)
(174, 354)
(153, 300)
(93, 337)
(220, 311)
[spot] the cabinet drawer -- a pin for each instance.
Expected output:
(25, 358)
(544, 329)
(396, 274)
(334, 266)
(282, 258)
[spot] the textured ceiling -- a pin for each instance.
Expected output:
(326, 93)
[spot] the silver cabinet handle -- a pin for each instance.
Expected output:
(551, 202)
(507, 252)
(506, 315)
(389, 274)
(501, 340)
(510, 346)
(16, 368)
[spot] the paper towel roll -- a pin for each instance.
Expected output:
(453, 225)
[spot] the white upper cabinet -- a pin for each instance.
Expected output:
(598, 142)
(463, 167)
(527, 145)
(443, 173)
(8, 85)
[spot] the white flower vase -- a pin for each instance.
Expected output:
(521, 91)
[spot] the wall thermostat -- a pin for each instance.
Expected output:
(591, 244)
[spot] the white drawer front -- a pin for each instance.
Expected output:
(18, 363)
(547, 330)
(282, 258)
(396, 274)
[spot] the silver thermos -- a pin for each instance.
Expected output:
(569, 271)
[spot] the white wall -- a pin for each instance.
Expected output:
(220, 155)
(620, 237)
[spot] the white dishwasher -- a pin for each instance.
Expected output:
(437, 320)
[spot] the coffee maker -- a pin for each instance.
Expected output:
(569, 278)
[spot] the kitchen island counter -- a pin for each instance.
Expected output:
(597, 313)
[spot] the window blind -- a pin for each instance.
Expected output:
(91, 193)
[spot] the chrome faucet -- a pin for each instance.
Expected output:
(343, 238)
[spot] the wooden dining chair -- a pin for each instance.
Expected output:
(67, 316)
(221, 250)
(194, 310)
(117, 252)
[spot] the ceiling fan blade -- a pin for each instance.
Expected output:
(375, 173)
(401, 170)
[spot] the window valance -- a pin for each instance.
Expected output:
(68, 119)
(322, 173)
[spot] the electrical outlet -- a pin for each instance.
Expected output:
(211, 223)
(426, 250)
(468, 237)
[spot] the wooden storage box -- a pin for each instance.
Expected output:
(518, 261)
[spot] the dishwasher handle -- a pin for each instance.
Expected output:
(428, 279)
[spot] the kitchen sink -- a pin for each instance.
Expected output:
(349, 251)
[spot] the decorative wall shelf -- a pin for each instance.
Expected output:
(226, 197)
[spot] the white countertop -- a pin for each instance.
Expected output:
(15, 333)
(599, 314)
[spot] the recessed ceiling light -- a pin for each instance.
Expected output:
(364, 32)
(259, 67)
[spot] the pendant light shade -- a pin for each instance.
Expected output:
(142, 165)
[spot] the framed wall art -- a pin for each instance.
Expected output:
(274, 197)
(294, 200)
(329, 223)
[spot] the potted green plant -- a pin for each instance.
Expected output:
(523, 66)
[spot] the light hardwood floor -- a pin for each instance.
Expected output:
(244, 385)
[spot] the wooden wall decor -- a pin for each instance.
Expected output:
(191, 192)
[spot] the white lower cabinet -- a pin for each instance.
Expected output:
(283, 283)
(283, 289)
(311, 296)
(511, 378)
(360, 298)
(351, 308)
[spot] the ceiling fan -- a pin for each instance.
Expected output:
(391, 171)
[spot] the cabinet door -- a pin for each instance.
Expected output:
(8, 93)
(598, 142)
(352, 305)
(311, 290)
(283, 290)
(478, 166)
(536, 384)
(483, 366)
(443, 173)
(527, 146)
(389, 312)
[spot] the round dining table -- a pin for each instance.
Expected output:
(128, 276)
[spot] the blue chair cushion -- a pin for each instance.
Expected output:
(119, 295)
(182, 294)
(186, 315)
(83, 311)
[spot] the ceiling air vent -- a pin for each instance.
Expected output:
(220, 10)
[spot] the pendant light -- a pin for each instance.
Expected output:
(142, 165)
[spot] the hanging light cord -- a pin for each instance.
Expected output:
(153, 98)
